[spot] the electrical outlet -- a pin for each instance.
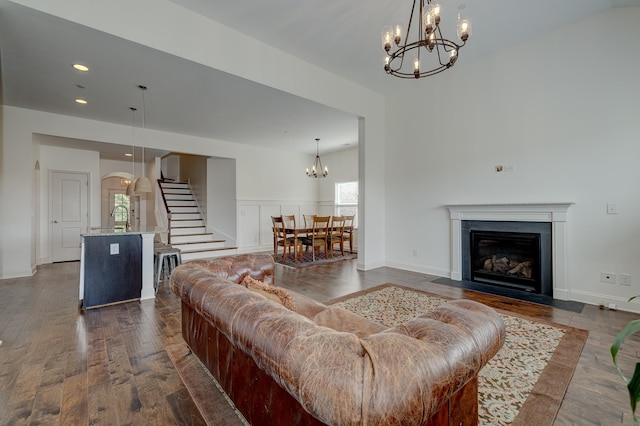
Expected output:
(625, 279)
(608, 277)
(415, 252)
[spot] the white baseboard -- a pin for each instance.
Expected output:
(419, 268)
(598, 298)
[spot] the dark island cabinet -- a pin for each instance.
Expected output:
(112, 269)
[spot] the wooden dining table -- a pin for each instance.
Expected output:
(298, 232)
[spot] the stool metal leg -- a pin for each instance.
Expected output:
(159, 262)
(165, 264)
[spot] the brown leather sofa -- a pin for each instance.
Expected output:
(326, 365)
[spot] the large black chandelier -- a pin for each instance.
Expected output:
(317, 171)
(430, 53)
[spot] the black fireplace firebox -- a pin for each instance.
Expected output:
(516, 255)
(506, 258)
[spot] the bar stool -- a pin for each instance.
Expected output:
(166, 259)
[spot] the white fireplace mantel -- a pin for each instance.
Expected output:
(554, 213)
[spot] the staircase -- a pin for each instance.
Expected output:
(187, 228)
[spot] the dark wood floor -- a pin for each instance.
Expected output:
(59, 365)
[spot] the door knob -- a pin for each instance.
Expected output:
(55, 221)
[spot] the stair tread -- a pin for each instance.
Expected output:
(187, 227)
(198, 242)
(206, 250)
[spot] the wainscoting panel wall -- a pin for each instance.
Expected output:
(254, 220)
(248, 225)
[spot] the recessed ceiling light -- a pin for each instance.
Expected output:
(81, 101)
(81, 67)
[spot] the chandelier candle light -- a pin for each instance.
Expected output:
(432, 53)
(317, 171)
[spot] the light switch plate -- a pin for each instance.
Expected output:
(114, 248)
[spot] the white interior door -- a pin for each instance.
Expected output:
(69, 214)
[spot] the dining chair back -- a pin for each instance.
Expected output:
(289, 224)
(318, 237)
(280, 236)
(308, 220)
(336, 234)
(348, 231)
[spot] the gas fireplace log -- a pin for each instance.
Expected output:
(523, 268)
(505, 265)
(500, 265)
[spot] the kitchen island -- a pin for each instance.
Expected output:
(116, 265)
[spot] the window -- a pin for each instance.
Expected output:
(347, 200)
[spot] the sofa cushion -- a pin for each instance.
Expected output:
(277, 294)
(305, 305)
(340, 319)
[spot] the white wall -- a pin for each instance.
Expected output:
(563, 111)
(343, 167)
(221, 203)
(145, 22)
(256, 178)
(193, 168)
(63, 159)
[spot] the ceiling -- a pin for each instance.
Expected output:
(37, 50)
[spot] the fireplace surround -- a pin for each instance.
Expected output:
(554, 215)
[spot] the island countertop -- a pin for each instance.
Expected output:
(134, 230)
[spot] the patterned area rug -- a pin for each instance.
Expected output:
(526, 380)
(307, 259)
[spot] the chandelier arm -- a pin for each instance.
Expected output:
(406, 39)
(447, 46)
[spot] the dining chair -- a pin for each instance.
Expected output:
(318, 237)
(281, 238)
(336, 234)
(308, 220)
(290, 227)
(308, 223)
(348, 230)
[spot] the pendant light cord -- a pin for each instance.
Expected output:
(133, 146)
(144, 113)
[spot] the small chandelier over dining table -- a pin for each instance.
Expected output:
(317, 171)
(430, 53)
